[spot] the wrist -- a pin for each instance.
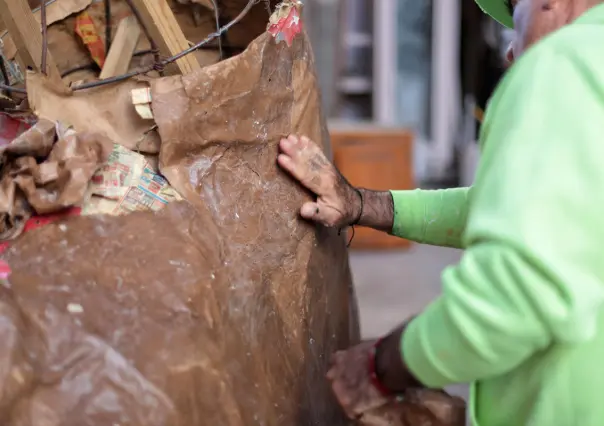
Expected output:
(390, 367)
(359, 205)
(356, 206)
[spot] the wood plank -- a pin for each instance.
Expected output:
(55, 11)
(123, 45)
(27, 35)
(163, 27)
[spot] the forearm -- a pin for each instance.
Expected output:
(435, 217)
(489, 319)
(486, 322)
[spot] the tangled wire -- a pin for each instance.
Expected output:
(158, 65)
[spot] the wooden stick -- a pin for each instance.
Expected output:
(26, 34)
(163, 27)
(122, 48)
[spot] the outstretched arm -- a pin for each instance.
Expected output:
(430, 217)
(435, 217)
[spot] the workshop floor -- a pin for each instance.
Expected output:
(392, 286)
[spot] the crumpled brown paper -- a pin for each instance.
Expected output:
(42, 175)
(419, 407)
(223, 310)
(105, 110)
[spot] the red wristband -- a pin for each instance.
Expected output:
(375, 381)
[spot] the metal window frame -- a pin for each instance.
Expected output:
(445, 104)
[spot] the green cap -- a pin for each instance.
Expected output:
(498, 10)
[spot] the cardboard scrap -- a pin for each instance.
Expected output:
(219, 312)
(61, 9)
(84, 27)
(45, 170)
(107, 110)
(126, 183)
(425, 407)
(141, 99)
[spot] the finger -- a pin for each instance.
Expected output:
(288, 145)
(342, 394)
(286, 163)
(310, 211)
(307, 163)
(332, 374)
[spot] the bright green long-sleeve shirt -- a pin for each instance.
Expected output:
(522, 315)
(435, 217)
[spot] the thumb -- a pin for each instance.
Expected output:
(320, 213)
(311, 211)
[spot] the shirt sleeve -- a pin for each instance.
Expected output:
(532, 273)
(435, 217)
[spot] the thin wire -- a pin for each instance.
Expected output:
(107, 26)
(44, 36)
(165, 62)
(48, 2)
(174, 58)
(217, 16)
(157, 65)
(214, 35)
(94, 65)
(12, 89)
(351, 238)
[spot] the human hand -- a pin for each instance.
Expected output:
(338, 203)
(352, 383)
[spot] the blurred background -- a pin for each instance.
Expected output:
(404, 84)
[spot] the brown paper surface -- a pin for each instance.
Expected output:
(223, 310)
(419, 407)
(220, 129)
(60, 9)
(219, 310)
(41, 174)
(194, 115)
(106, 110)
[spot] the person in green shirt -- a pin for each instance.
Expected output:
(521, 316)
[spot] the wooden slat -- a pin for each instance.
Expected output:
(122, 48)
(26, 34)
(166, 32)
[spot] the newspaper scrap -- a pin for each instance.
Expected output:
(14, 73)
(128, 183)
(115, 178)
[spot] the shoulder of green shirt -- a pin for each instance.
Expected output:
(573, 49)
